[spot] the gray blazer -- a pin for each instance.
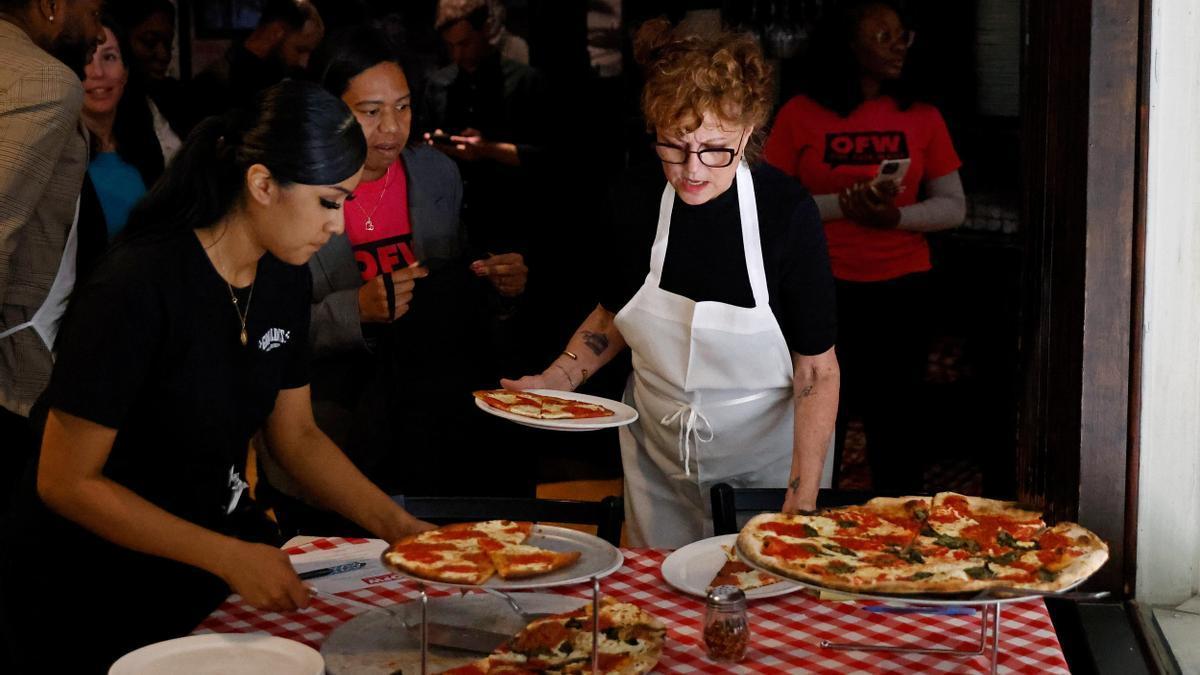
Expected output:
(43, 155)
(434, 202)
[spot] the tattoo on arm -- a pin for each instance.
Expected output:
(806, 392)
(597, 342)
(794, 484)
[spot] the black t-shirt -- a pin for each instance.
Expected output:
(150, 346)
(706, 261)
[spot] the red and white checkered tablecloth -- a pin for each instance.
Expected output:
(785, 630)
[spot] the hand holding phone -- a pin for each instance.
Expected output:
(892, 170)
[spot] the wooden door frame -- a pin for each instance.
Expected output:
(1084, 205)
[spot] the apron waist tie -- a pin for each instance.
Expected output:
(694, 425)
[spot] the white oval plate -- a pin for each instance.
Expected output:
(622, 414)
(222, 654)
(598, 560)
(691, 568)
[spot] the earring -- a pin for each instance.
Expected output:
(51, 18)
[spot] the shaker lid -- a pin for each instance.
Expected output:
(727, 596)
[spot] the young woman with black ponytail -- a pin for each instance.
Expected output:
(189, 337)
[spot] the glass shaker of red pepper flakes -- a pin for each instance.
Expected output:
(726, 628)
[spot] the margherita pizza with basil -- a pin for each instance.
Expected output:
(540, 406)
(631, 642)
(949, 543)
(470, 553)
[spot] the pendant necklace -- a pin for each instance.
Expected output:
(369, 226)
(242, 316)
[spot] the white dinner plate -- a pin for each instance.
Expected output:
(691, 568)
(622, 414)
(597, 559)
(222, 654)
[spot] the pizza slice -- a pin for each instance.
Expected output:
(631, 642)
(440, 561)
(515, 402)
(521, 561)
(734, 572)
(989, 525)
(488, 535)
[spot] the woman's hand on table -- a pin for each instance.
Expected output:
(506, 272)
(372, 296)
(263, 576)
(872, 205)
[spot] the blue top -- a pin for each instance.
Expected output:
(119, 186)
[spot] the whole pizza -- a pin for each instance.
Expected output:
(470, 553)
(631, 641)
(541, 406)
(948, 543)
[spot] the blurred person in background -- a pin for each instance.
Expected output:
(855, 112)
(126, 157)
(151, 28)
(488, 114)
(43, 155)
(287, 33)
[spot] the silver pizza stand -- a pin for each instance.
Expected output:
(989, 611)
(598, 559)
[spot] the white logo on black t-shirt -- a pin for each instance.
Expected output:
(274, 337)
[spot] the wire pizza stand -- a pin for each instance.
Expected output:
(599, 559)
(989, 614)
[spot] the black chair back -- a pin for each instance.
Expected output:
(607, 515)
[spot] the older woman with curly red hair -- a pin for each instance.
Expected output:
(726, 300)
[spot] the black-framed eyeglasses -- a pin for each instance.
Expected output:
(887, 38)
(713, 158)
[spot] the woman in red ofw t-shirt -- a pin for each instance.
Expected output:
(853, 115)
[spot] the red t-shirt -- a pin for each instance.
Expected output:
(385, 244)
(829, 153)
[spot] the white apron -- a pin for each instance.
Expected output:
(712, 384)
(45, 320)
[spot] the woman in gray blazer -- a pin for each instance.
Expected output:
(405, 315)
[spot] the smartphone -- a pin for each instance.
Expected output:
(443, 139)
(892, 170)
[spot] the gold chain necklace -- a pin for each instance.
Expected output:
(369, 226)
(242, 316)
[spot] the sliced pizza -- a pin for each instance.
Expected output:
(631, 643)
(734, 572)
(950, 544)
(521, 561)
(469, 553)
(540, 406)
(440, 561)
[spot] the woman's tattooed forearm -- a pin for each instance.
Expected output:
(597, 342)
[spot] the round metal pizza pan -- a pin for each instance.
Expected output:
(374, 643)
(926, 599)
(598, 559)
